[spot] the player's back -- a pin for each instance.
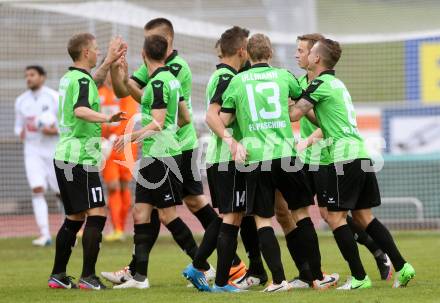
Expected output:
(262, 94)
(162, 91)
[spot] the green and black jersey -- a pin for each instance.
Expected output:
(163, 91)
(180, 69)
(218, 151)
(336, 116)
(80, 141)
(317, 153)
(259, 97)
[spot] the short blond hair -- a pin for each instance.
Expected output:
(259, 47)
(77, 43)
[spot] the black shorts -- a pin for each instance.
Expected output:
(157, 182)
(227, 187)
(266, 178)
(352, 185)
(192, 180)
(316, 177)
(80, 186)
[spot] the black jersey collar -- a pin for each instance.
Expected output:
(171, 56)
(158, 70)
(328, 72)
(260, 65)
(81, 70)
(224, 65)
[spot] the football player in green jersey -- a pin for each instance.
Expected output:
(226, 184)
(157, 184)
(77, 162)
(315, 148)
(193, 196)
(352, 184)
(257, 100)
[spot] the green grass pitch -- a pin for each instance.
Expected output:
(25, 269)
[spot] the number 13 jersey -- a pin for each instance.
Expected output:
(259, 97)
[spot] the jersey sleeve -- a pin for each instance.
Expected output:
(314, 92)
(140, 76)
(295, 90)
(229, 99)
(184, 75)
(222, 85)
(181, 96)
(81, 93)
(160, 96)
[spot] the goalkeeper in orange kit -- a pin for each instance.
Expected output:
(116, 176)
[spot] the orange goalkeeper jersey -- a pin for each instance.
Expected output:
(110, 104)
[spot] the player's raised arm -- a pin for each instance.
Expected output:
(122, 84)
(117, 47)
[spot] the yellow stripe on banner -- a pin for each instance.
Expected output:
(429, 58)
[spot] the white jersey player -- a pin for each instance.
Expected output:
(36, 125)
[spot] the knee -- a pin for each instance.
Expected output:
(123, 185)
(77, 217)
(98, 211)
(140, 214)
(113, 186)
(324, 213)
(38, 190)
(362, 219)
(167, 215)
(336, 219)
(233, 218)
(195, 203)
(300, 213)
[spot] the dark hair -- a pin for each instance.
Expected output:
(38, 68)
(232, 40)
(159, 22)
(259, 47)
(330, 52)
(155, 47)
(311, 38)
(77, 43)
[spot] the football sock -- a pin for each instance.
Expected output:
(183, 237)
(271, 252)
(362, 237)
(249, 237)
(208, 244)
(115, 204)
(298, 255)
(206, 215)
(154, 229)
(91, 242)
(65, 241)
(226, 247)
(349, 250)
(382, 236)
(144, 240)
(125, 206)
(310, 245)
